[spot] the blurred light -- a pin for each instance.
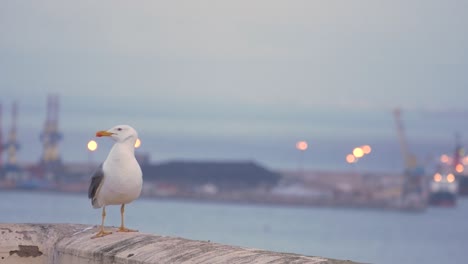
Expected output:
(465, 160)
(350, 158)
(459, 168)
(450, 177)
(301, 145)
(92, 145)
(137, 143)
(367, 149)
(358, 152)
(437, 177)
(444, 158)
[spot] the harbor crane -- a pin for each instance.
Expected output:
(50, 137)
(414, 194)
(1, 140)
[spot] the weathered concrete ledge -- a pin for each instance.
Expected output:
(72, 244)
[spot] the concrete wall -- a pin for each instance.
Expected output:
(72, 244)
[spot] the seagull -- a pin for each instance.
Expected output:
(118, 180)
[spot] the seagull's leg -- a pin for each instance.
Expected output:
(101, 232)
(122, 226)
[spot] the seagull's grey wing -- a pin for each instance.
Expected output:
(96, 182)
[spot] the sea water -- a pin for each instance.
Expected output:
(438, 235)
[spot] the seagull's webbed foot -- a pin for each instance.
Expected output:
(124, 229)
(122, 226)
(101, 233)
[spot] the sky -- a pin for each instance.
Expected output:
(239, 80)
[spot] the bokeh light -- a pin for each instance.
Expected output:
(444, 158)
(92, 145)
(350, 158)
(450, 177)
(366, 149)
(301, 145)
(358, 152)
(137, 143)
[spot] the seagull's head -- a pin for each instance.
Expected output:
(120, 133)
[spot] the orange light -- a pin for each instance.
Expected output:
(366, 149)
(137, 143)
(92, 145)
(437, 177)
(358, 152)
(459, 168)
(444, 158)
(301, 145)
(465, 160)
(450, 177)
(350, 158)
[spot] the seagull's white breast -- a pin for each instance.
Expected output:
(123, 179)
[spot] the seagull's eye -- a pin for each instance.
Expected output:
(119, 129)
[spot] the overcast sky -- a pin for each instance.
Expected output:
(237, 79)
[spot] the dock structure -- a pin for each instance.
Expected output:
(72, 243)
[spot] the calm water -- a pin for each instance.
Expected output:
(439, 235)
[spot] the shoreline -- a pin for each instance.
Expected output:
(249, 202)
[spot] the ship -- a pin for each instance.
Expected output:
(443, 190)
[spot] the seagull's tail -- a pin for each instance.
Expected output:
(95, 203)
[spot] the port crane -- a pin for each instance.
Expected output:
(414, 194)
(1, 141)
(51, 160)
(11, 147)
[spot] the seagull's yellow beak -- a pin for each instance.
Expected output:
(103, 133)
